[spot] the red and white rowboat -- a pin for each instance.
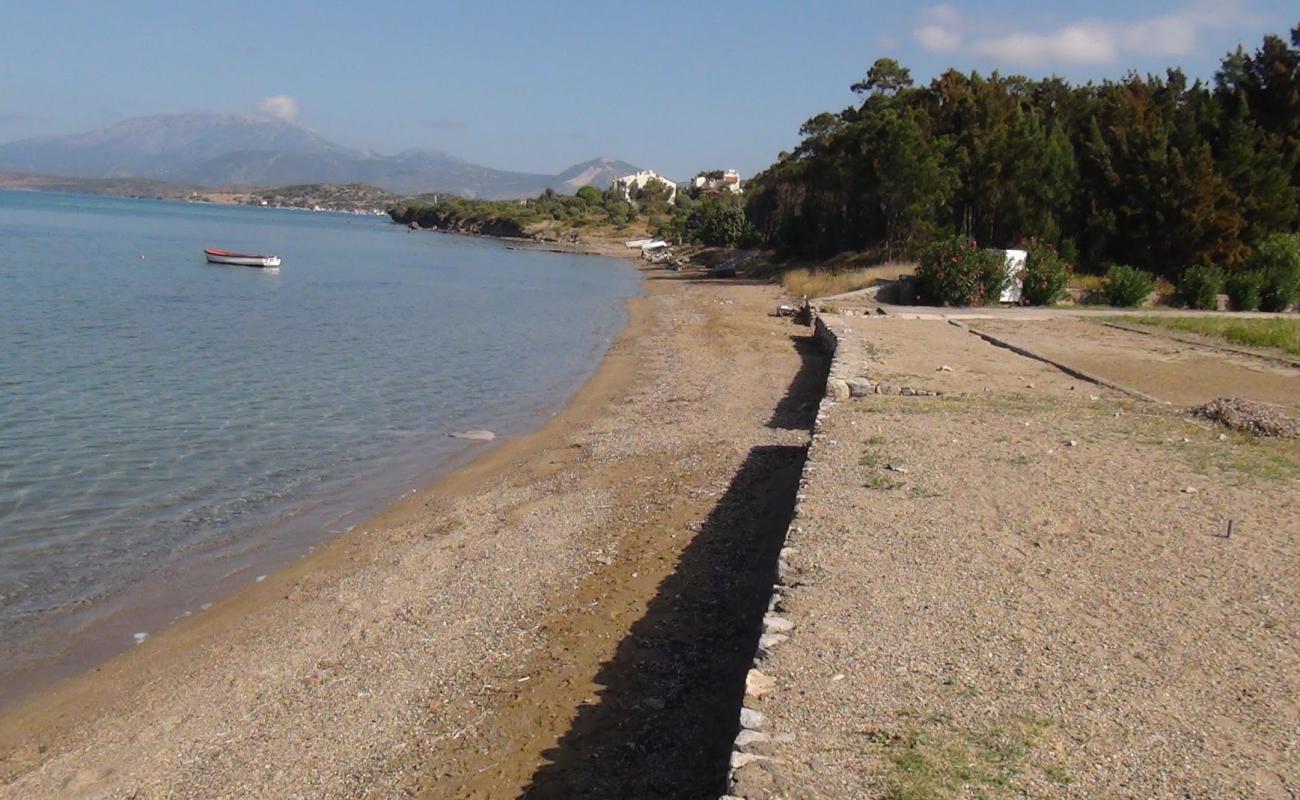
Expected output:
(240, 259)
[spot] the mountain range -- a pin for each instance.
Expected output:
(213, 149)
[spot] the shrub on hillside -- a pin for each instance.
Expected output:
(1200, 285)
(591, 195)
(1045, 275)
(1244, 289)
(1278, 260)
(956, 272)
(718, 221)
(1127, 287)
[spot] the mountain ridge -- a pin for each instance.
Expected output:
(215, 149)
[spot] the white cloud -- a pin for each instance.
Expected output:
(281, 106)
(1081, 43)
(944, 15)
(943, 29)
(938, 39)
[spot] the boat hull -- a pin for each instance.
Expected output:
(241, 259)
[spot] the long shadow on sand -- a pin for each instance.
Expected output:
(706, 279)
(663, 724)
(798, 407)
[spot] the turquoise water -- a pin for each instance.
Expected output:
(165, 422)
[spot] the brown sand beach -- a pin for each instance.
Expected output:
(548, 616)
(1007, 573)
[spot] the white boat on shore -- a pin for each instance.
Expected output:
(240, 259)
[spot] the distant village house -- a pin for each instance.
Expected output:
(717, 181)
(639, 180)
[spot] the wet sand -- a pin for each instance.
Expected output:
(572, 612)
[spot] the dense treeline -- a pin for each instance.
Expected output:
(688, 216)
(549, 210)
(1157, 172)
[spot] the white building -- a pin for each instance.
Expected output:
(728, 182)
(640, 179)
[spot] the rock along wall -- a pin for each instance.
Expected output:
(753, 772)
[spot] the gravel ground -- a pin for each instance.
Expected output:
(465, 642)
(1025, 588)
(1169, 369)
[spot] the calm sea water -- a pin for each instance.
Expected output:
(165, 422)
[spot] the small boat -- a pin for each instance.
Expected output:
(240, 259)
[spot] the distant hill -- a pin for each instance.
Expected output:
(345, 197)
(210, 149)
(111, 187)
(598, 172)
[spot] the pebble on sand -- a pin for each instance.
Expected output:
(476, 436)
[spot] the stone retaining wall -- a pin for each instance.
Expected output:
(752, 769)
(754, 773)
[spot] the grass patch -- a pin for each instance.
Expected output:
(882, 483)
(1239, 459)
(872, 458)
(937, 760)
(876, 459)
(1088, 283)
(1247, 458)
(899, 404)
(824, 282)
(1278, 334)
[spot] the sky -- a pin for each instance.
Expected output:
(672, 86)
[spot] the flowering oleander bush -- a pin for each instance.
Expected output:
(956, 272)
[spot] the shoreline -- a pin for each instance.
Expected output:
(103, 629)
(504, 610)
(46, 701)
(156, 610)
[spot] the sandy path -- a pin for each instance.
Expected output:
(575, 610)
(1037, 600)
(1163, 367)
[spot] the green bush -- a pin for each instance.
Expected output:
(956, 272)
(591, 195)
(1127, 287)
(1278, 259)
(1244, 289)
(719, 221)
(1045, 275)
(1200, 285)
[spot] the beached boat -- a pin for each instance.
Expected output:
(240, 259)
